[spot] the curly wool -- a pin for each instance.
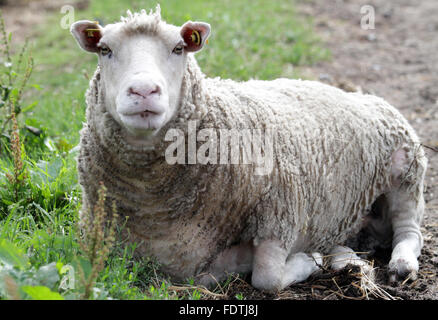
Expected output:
(332, 159)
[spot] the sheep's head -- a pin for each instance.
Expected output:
(142, 63)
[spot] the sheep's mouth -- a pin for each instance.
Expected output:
(142, 119)
(146, 113)
(142, 114)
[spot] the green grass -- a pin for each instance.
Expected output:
(250, 39)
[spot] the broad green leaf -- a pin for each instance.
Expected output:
(48, 171)
(41, 293)
(11, 255)
(48, 275)
(59, 266)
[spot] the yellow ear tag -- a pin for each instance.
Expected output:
(196, 37)
(90, 32)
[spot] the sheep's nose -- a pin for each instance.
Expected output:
(145, 91)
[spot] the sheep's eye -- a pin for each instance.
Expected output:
(105, 51)
(178, 49)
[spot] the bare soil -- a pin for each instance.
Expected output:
(21, 16)
(398, 61)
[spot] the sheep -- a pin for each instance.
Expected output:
(330, 158)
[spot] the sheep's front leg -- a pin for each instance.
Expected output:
(342, 256)
(273, 270)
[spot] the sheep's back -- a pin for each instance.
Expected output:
(332, 156)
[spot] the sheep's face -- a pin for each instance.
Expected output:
(141, 70)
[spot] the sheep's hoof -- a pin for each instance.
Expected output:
(402, 269)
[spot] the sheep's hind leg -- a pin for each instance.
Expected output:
(273, 270)
(406, 207)
(406, 214)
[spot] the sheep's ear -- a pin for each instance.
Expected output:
(195, 34)
(87, 34)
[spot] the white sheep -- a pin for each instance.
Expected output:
(333, 155)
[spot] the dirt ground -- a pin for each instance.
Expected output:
(397, 61)
(21, 16)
